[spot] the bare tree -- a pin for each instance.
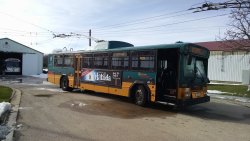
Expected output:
(238, 35)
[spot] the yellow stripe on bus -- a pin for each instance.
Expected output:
(57, 79)
(152, 91)
(124, 91)
(51, 78)
(71, 81)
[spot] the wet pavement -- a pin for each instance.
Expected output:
(48, 113)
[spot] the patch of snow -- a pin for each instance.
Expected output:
(47, 83)
(24, 108)
(19, 126)
(233, 98)
(82, 104)
(42, 75)
(4, 131)
(4, 106)
(214, 83)
(53, 90)
(244, 100)
(215, 92)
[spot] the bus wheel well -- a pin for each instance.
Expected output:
(135, 87)
(64, 82)
(61, 80)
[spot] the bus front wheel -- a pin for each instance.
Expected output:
(140, 96)
(65, 84)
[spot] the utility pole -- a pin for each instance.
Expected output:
(90, 37)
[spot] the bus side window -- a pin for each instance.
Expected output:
(87, 62)
(58, 61)
(120, 60)
(50, 60)
(144, 60)
(101, 61)
(147, 62)
(68, 61)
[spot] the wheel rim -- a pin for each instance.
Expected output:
(139, 96)
(64, 83)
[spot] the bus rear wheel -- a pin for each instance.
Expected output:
(140, 96)
(65, 84)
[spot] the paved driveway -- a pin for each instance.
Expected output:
(48, 113)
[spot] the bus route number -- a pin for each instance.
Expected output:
(116, 75)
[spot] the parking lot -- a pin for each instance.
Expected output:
(48, 113)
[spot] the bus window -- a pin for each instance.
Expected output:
(189, 65)
(58, 61)
(147, 62)
(101, 60)
(142, 61)
(87, 62)
(68, 61)
(120, 61)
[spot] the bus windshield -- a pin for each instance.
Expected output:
(194, 69)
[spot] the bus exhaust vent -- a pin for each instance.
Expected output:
(111, 45)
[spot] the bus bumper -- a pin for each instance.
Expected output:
(193, 101)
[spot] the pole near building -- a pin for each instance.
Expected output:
(90, 37)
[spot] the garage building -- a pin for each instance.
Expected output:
(18, 59)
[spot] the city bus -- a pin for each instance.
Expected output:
(173, 74)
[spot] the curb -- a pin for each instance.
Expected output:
(15, 102)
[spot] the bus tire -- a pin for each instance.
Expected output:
(140, 96)
(65, 84)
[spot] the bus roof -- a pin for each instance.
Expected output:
(148, 47)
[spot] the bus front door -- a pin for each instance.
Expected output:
(167, 74)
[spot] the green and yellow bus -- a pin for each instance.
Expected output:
(169, 73)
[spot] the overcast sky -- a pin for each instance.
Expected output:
(140, 22)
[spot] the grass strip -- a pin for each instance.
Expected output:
(236, 90)
(5, 93)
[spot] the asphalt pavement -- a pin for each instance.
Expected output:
(48, 113)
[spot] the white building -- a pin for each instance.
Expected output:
(19, 59)
(226, 63)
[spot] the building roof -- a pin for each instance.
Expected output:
(20, 51)
(230, 45)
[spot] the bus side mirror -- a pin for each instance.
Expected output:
(189, 59)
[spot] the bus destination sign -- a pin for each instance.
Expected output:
(198, 51)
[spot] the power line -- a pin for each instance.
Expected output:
(169, 24)
(164, 33)
(138, 20)
(38, 26)
(153, 30)
(217, 6)
(145, 21)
